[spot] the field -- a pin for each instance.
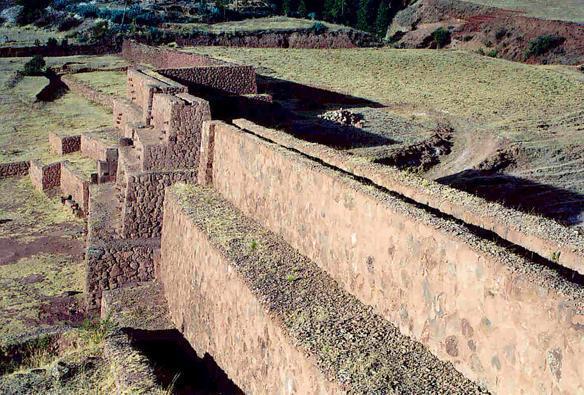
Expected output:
(494, 106)
(278, 23)
(110, 82)
(41, 259)
(26, 123)
(566, 10)
(27, 36)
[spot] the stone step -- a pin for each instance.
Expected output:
(272, 319)
(104, 212)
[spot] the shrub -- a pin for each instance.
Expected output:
(35, 66)
(492, 53)
(68, 23)
(87, 10)
(52, 43)
(64, 43)
(31, 10)
(318, 28)
(441, 37)
(543, 44)
(502, 32)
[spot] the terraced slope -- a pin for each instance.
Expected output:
(498, 109)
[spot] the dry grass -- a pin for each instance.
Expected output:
(25, 124)
(451, 82)
(23, 36)
(110, 82)
(567, 10)
(277, 23)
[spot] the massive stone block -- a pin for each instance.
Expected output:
(500, 318)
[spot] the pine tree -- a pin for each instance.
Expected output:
(302, 11)
(365, 15)
(382, 19)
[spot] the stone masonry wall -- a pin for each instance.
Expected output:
(13, 169)
(64, 144)
(141, 88)
(163, 57)
(218, 313)
(179, 119)
(125, 116)
(234, 79)
(499, 318)
(95, 148)
(45, 177)
(143, 201)
(111, 265)
(534, 233)
(73, 183)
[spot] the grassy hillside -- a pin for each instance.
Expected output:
(566, 10)
(451, 82)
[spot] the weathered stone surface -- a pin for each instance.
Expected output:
(495, 315)
(272, 319)
(13, 169)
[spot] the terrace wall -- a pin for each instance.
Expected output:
(500, 319)
(234, 79)
(73, 183)
(163, 58)
(178, 120)
(64, 144)
(13, 169)
(143, 201)
(45, 177)
(95, 148)
(111, 265)
(218, 313)
(125, 116)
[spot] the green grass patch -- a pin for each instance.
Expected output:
(110, 82)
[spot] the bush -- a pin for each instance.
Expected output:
(87, 10)
(492, 53)
(543, 44)
(31, 10)
(318, 28)
(441, 37)
(68, 24)
(35, 66)
(52, 43)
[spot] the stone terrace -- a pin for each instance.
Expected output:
(301, 270)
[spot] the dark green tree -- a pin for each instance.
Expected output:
(382, 20)
(365, 15)
(302, 10)
(35, 66)
(31, 10)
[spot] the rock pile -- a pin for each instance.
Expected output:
(343, 117)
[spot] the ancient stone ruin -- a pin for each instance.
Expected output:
(300, 269)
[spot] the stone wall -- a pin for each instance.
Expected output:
(111, 265)
(144, 198)
(501, 319)
(13, 169)
(534, 233)
(178, 120)
(234, 79)
(88, 92)
(163, 57)
(95, 148)
(142, 85)
(125, 115)
(73, 183)
(45, 177)
(219, 314)
(347, 38)
(64, 144)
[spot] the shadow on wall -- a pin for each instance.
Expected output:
(559, 204)
(177, 366)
